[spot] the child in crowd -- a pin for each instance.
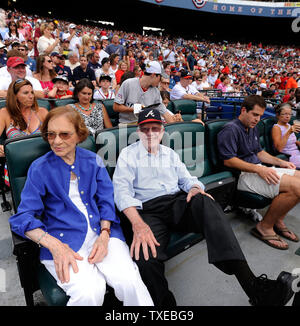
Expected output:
(104, 92)
(60, 89)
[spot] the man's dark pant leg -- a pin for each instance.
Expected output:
(205, 215)
(152, 270)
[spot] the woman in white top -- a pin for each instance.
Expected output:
(46, 43)
(13, 35)
(205, 84)
(105, 70)
(114, 62)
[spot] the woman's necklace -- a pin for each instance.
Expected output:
(84, 109)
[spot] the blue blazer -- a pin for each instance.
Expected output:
(46, 194)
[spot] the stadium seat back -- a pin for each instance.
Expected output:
(113, 115)
(187, 108)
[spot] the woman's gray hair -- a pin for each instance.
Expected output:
(282, 106)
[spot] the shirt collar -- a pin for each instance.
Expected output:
(143, 152)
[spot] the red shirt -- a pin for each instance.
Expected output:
(65, 93)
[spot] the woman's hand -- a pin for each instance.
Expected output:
(100, 248)
(63, 256)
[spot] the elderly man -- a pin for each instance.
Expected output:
(157, 194)
(17, 70)
(73, 60)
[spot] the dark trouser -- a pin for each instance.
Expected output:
(172, 213)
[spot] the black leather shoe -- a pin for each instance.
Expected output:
(272, 293)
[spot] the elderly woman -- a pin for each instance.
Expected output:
(22, 116)
(82, 244)
(94, 115)
(283, 134)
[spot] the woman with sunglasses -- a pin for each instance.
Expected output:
(22, 116)
(13, 35)
(94, 114)
(82, 244)
(45, 73)
(283, 134)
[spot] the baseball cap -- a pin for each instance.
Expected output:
(263, 85)
(72, 26)
(185, 74)
(153, 67)
(103, 38)
(105, 77)
(55, 54)
(60, 77)
(15, 61)
(149, 115)
(2, 45)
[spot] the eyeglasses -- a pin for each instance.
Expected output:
(286, 114)
(50, 135)
(21, 49)
(145, 130)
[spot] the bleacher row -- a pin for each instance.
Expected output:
(197, 146)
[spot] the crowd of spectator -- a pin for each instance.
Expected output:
(51, 48)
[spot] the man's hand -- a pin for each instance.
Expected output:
(142, 236)
(197, 190)
(269, 175)
(287, 165)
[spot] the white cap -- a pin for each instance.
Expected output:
(153, 67)
(2, 45)
(263, 85)
(103, 38)
(72, 26)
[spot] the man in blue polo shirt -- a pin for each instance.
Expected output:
(240, 149)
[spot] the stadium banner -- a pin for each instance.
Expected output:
(234, 7)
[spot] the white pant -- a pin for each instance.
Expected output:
(88, 286)
(252, 182)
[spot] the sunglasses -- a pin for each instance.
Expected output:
(49, 61)
(18, 81)
(145, 130)
(50, 135)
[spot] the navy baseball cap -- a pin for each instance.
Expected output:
(149, 115)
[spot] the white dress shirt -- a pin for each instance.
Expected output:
(140, 176)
